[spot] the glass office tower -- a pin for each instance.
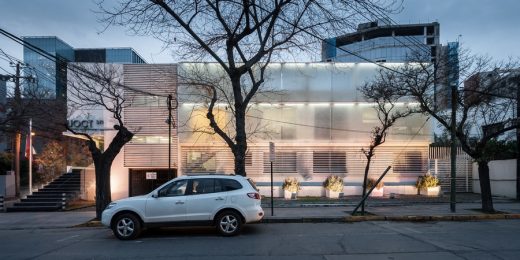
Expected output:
(51, 76)
(381, 41)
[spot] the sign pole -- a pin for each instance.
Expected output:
(30, 156)
(271, 158)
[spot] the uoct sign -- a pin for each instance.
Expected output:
(85, 124)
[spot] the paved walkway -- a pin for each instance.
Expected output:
(306, 210)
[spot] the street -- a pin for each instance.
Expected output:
(499, 239)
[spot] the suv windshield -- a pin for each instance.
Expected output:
(252, 184)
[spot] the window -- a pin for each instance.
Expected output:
(200, 162)
(284, 162)
(177, 188)
(329, 162)
(229, 185)
(409, 162)
(202, 186)
(249, 159)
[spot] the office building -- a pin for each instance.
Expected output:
(315, 116)
(51, 76)
(381, 41)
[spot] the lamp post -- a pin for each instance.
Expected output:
(169, 121)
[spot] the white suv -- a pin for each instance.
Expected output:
(224, 201)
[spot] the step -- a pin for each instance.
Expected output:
(32, 208)
(42, 199)
(48, 204)
(69, 189)
(66, 181)
(50, 195)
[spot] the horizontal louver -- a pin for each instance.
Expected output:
(313, 163)
(146, 114)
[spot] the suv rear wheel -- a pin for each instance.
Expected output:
(126, 226)
(228, 223)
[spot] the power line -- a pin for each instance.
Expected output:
(73, 67)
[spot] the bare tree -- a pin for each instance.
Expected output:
(484, 107)
(381, 92)
(94, 86)
(243, 37)
(25, 101)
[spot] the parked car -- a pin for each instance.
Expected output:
(224, 201)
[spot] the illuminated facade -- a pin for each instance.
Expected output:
(311, 111)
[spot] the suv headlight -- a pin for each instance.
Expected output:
(111, 205)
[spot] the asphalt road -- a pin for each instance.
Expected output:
(366, 240)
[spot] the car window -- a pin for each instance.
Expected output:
(229, 185)
(252, 184)
(202, 186)
(176, 188)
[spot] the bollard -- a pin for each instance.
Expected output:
(63, 201)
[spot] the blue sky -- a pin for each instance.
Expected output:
(487, 26)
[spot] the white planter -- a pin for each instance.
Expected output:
(332, 194)
(431, 191)
(377, 192)
(289, 195)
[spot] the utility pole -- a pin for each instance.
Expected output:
(17, 123)
(17, 133)
(170, 175)
(453, 155)
(517, 81)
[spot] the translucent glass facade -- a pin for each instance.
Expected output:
(314, 114)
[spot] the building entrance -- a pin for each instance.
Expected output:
(143, 181)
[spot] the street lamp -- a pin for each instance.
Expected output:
(169, 122)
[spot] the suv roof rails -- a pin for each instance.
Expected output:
(217, 174)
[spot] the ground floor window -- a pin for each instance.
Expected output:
(285, 162)
(329, 162)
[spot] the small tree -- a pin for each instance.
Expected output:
(51, 162)
(380, 92)
(484, 106)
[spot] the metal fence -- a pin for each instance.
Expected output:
(440, 165)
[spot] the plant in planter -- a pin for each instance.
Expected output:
(333, 186)
(378, 191)
(428, 185)
(291, 186)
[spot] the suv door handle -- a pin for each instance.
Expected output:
(219, 198)
(179, 202)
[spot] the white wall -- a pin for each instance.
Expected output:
(502, 174)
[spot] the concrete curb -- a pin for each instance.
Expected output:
(352, 219)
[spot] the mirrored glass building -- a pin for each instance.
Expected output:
(51, 75)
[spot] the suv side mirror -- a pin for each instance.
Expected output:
(155, 194)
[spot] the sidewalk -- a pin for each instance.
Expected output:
(404, 208)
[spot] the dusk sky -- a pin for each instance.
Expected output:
(486, 26)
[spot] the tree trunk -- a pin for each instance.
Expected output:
(103, 163)
(103, 191)
(241, 143)
(485, 187)
(365, 178)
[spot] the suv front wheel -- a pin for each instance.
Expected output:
(126, 226)
(228, 223)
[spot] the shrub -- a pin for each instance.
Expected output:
(333, 183)
(371, 182)
(291, 185)
(426, 181)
